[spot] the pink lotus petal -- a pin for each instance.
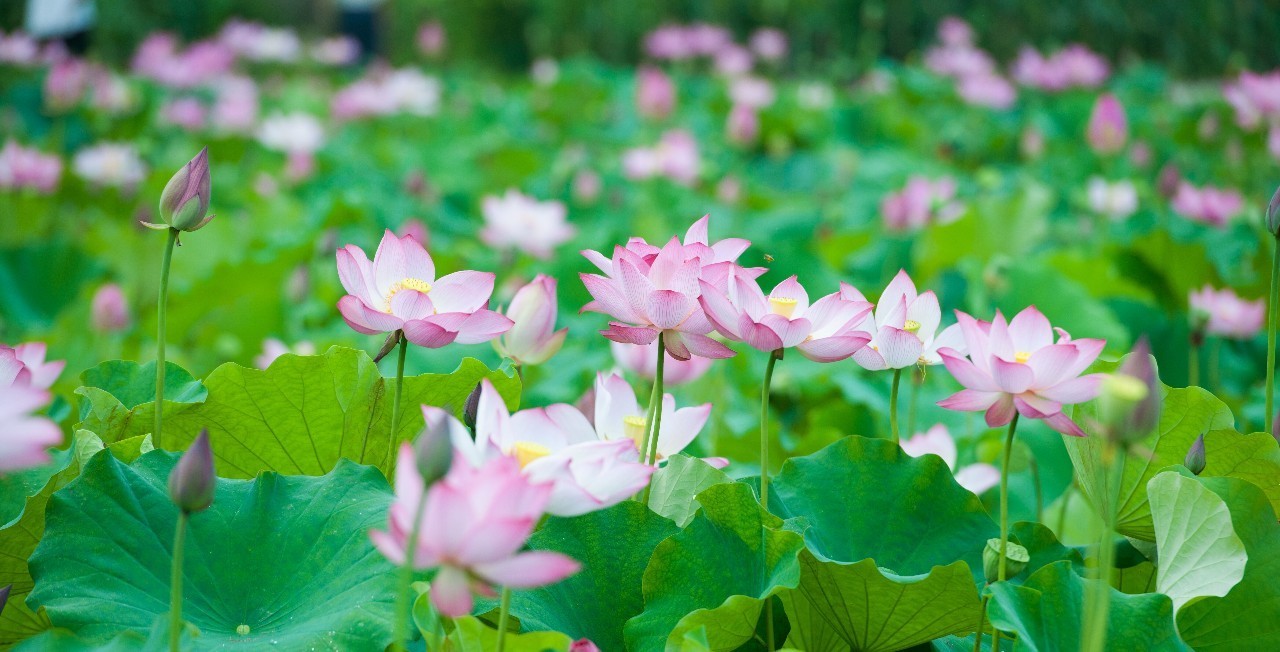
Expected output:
(529, 569)
(1012, 377)
(901, 349)
(465, 291)
(705, 347)
(428, 334)
(835, 348)
(451, 592)
(364, 319)
(971, 400)
(1001, 412)
(630, 334)
(1030, 331)
(482, 326)
(668, 308)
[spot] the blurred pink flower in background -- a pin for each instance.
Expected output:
(431, 38)
(668, 42)
(18, 48)
(903, 329)
(1255, 98)
(417, 230)
(185, 112)
(1014, 367)
(291, 133)
(158, 58)
(109, 311)
(769, 43)
(336, 51)
(743, 124)
(920, 203)
(111, 93)
(533, 337)
(257, 42)
(755, 92)
(110, 164)
(992, 91)
(641, 360)
(954, 31)
(66, 83)
(235, 105)
(28, 168)
(405, 90)
(1226, 314)
(492, 502)
(586, 186)
(1116, 200)
(733, 60)
(1074, 66)
(705, 39)
(1207, 204)
(273, 348)
(675, 156)
(399, 291)
(937, 440)
(516, 221)
(1108, 128)
(655, 93)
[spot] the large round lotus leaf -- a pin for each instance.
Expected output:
(282, 562)
(1199, 552)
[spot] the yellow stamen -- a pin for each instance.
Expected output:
(784, 306)
(527, 451)
(1021, 356)
(415, 284)
(911, 326)
(636, 428)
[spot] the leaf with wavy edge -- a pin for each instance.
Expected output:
(675, 487)
(1199, 552)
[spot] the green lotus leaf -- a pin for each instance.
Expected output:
(1199, 552)
(118, 397)
(277, 561)
(472, 635)
(675, 487)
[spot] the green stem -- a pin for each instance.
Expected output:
(503, 612)
(913, 405)
(1193, 366)
(1004, 498)
(1062, 511)
(395, 402)
(653, 419)
(893, 404)
(1271, 337)
(404, 607)
(162, 308)
(764, 473)
(1215, 354)
(1035, 479)
(175, 584)
(1095, 632)
(982, 624)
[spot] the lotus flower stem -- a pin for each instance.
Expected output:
(1095, 623)
(1193, 365)
(162, 308)
(395, 402)
(649, 454)
(764, 473)
(912, 407)
(982, 624)
(404, 606)
(1271, 337)
(893, 404)
(175, 584)
(503, 611)
(1004, 499)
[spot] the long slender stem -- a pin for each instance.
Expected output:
(982, 624)
(162, 308)
(175, 584)
(395, 402)
(1271, 338)
(1035, 480)
(917, 381)
(503, 613)
(404, 607)
(1193, 365)
(893, 404)
(1004, 498)
(1095, 624)
(653, 418)
(764, 473)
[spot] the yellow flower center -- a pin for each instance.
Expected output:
(911, 326)
(416, 284)
(527, 451)
(784, 306)
(635, 428)
(1021, 356)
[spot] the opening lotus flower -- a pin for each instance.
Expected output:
(937, 440)
(620, 417)
(903, 329)
(1016, 367)
(532, 338)
(823, 331)
(474, 523)
(399, 291)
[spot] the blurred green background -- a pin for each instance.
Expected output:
(1190, 37)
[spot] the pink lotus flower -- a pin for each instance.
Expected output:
(1072, 66)
(823, 332)
(185, 112)
(291, 133)
(769, 43)
(743, 124)
(753, 92)
(1207, 204)
(431, 38)
(583, 645)
(989, 90)
(921, 202)
(675, 157)
(533, 337)
(655, 93)
(474, 522)
(706, 39)
(903, 330)
(273, 348)
(336, 51)
(25, 438)
(1108, 127)
(521, 222)
(1015, 367)
(25, 366)
(18, 49)
(235, 107)
(587, 186)
(668, 42)
(415, 229)
(66, 83)
(555, 445)
(109, 311)
(620, 417)
(1116, 200)
(733, 60)
(399, 291)
(1255, 98)
(937, 440)
(954, 31)
(1226, 314)
(110, 164)
(22, 167)
(642, 361)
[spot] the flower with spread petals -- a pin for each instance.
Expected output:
(977, 477)
(823, 331)
(533, 337)
(1015, 367)
(399, 291)
(517, 221)
(25, 438)
(474, 523)
(619, 416)
(903, 328)
(1207, 204)
(1226, 314)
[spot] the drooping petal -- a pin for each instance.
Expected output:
(869, 357)
(627, 334)
(1001, 412)
(482, 326)
(364, 319)
(529, 569)
(722, 314)
(427, 334)
(790, 331)
(834, 348)
(451, 592)
(1063, 424)
(1076, 390)
(705, 347)
(971, 400)
(967, 373)
(759, 335)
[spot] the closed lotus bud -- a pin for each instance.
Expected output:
(1129, 400)
(1108, 128)
(433, 452)
(583, 645)
(471, 409)
(1273, 214)
(1195, 460)
(1016, 558)
(108, 310)
(532, 338)
(192, 481)
(184, 204)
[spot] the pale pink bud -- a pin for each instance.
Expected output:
(532, 338)
(769, 44)
(192, 481)
(743, 125)
(583, 645)
(109, 310)
(431, 38)
(1108, 127)
(184, 203)
(655, 93)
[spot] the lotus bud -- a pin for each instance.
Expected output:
(1129, 399)
(532, 338)
(1108, 127)
(1195, 460)
(1273, 214)
(433, 452)
(184, 204)
(1016, 558)
(192, 481)
(471, 409)
(109, 312)
(583, 645)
